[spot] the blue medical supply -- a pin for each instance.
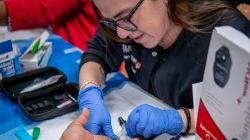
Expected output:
(9, 64)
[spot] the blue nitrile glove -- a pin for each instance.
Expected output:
(150, 121)
(99, 119)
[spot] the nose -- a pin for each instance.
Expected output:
(123, 33)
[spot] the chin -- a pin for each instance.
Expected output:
(149, 44)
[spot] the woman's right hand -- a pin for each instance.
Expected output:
(99, 120)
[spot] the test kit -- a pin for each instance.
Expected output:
(42, 93)
(224, 108)
(38, 53)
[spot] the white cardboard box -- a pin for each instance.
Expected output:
(8, 62)
(39, 59)
(224, 108)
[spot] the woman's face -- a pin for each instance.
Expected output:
(151, 19)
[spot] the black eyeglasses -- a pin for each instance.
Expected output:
(123, 22)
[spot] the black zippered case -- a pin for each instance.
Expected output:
(53, 97)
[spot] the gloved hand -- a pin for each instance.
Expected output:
(75, 131)
(150, 121)
(99, 120)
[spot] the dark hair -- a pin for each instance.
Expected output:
(197, 15)
(194, 15)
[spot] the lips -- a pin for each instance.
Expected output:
(139, 38)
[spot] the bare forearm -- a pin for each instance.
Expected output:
(91, 72)
(3, 14)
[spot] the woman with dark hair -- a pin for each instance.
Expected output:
(164, 44)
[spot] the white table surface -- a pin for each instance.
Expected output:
(120, 102)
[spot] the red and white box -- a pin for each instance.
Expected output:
(224, 107)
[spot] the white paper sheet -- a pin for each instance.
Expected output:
(197, 89)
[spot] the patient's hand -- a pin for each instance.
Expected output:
(76, 131)
(245, 10)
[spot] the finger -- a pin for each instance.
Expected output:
(108, 131)
(93, 128)
(157, 129)
(147, 132)
(130, 127)
(131, 124)
(142, 123)
(83, 118)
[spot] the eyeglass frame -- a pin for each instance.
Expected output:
(112, 24)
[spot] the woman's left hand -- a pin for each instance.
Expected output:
(149, 121)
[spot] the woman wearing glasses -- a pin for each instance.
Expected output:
(164, 44)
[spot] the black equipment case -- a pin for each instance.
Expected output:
(51, 99)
